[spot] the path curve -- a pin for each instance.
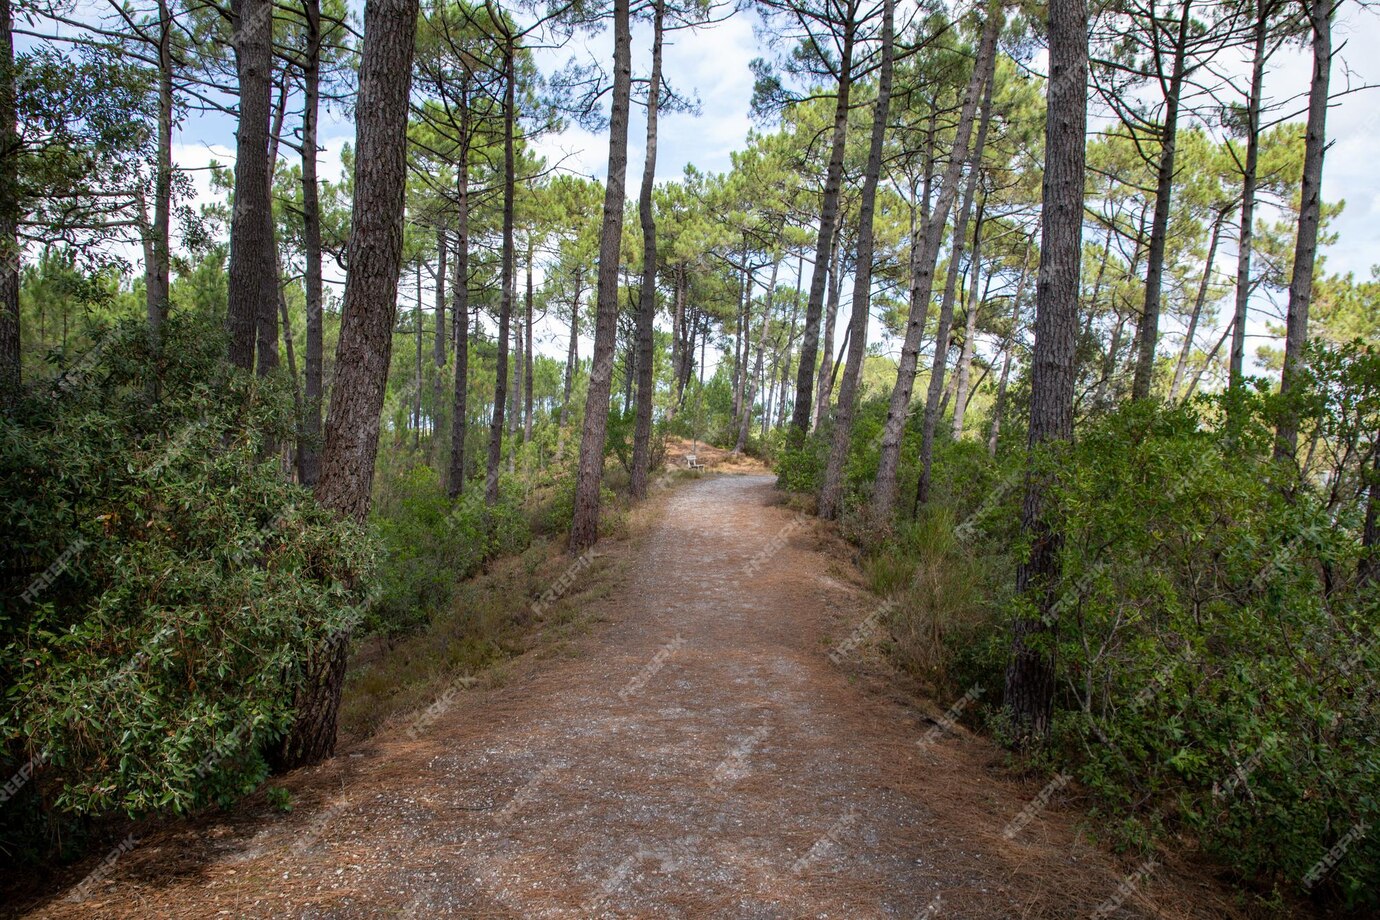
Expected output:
(702, 757)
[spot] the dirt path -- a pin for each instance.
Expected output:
(702, 756)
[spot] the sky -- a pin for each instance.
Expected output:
(712, 65)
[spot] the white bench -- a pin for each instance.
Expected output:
(692, 462)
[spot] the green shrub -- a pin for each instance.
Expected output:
(431, 543)
(163, 580)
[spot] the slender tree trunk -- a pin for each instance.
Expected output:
(438, 346)
(828, 221)
(936, 393)
(10, 252)
(438, 353)
(1310, 217)
(366, 336)
(266, 320)
(831, 494)
(751, 397)
(417, 382)
(251, 275)
(679, 338)
(884, 490)
(741, 336)
(1147, 333)
(572, 359)
(784, 390)
(825, 385)
(1029, 690)
(963, 374)
(1246, 238)
(460, 307)
(646, 308)
(308, 452)
(1212, 356)
(528, 360)
(1368, 568)
(157, 271)
(584, 530)
(999, 406)
(506, 295)
(1198, 302)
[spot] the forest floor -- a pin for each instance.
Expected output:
(698, 753)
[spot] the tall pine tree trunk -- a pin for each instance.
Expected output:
(831, 494)
(460, 309)
(156, 272)
(884, 490)
(505, 308)
(1310, 218)
(1029, 690)
(1246, 237)
(1147, 333)
(366, 336)
(584, 529)
(308, 452)
(824, 388)
(646, 307)
(9, 214)
(251, 273)
(828, 226)
(963, 374)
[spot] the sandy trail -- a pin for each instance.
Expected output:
(702, 756)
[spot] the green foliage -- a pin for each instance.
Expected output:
(164, 580)
(1217, 660)
(431, 543)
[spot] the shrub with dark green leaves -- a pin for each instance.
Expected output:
(162, 582)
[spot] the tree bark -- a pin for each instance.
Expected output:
(646, 307)
(584, 530)
(963, 373)
(157, 271)
(528, 360)
(1368, 568)
(828, 220)
(825, 386)
(505, 308)
(572, 359)
(831, 493)
(366, 335)
(10, 253)
(1246, 238)
(922, 281)
(308, 452)
(1147, 333)
(460, 307)
(1310, 218)
(1029, 685)
(251, 275)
